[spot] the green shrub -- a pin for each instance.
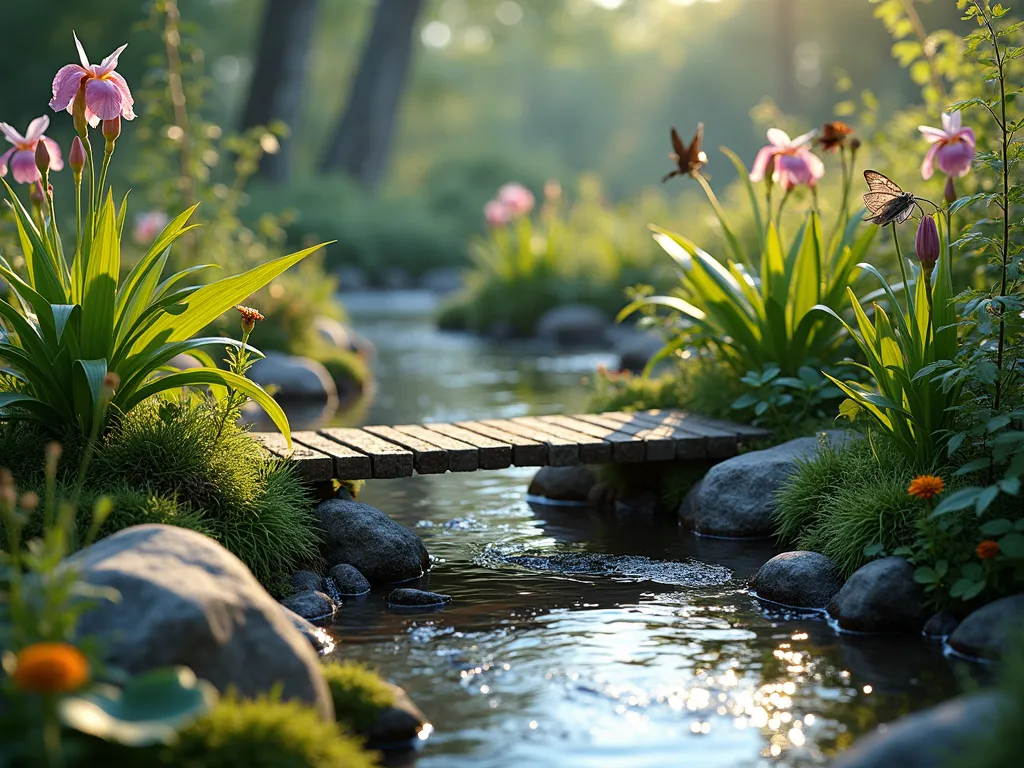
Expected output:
(698, 384)
(359, 694)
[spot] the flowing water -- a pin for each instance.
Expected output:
(576, 638)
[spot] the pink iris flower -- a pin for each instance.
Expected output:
(106, 93)
(952, 147)
(497, 213)
(148, 225)
(23, 162)
(516, 198)
(791, 161)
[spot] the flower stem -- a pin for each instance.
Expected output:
(903, 271)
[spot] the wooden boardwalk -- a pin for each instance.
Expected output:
(529, 441)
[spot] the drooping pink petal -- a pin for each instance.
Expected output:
(3, 161)
(23, 166)
(11, 134)
(108, 64)
(757, 170)
(928, 166)
(37, 128)
(967, 134)
(103, 99)
(81, 51)
(778, 138)
(932, 134)
(814, 164)
(803, 139)
(794, 169)
(127, 102)
(954, 158)
(65, 86)
(56, 159)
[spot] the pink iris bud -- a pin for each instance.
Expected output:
(42, 155)
(111, 130)
(791, 160)
(927, 242)
(23, 157)
(76, 157)
(952, 147)
(496, 213)
(516, 198)
(949, 194)
(105, 94)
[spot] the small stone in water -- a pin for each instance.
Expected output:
(417, 598)
(348, 580)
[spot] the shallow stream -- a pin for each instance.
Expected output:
(576, 638)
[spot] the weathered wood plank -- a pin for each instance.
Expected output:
(312, 465)
(462, 457)
(428, 459)
(662, 443)
(593, 450)
(389, 460)
(721, 443)
(348, 464)
(525, 452)
(493, 454)
(626, 447)
(562, 451)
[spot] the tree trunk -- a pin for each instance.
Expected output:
(361, 143)
(280, 76)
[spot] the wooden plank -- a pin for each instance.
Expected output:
(626, 447)
(722, 443)
(311, 465)
(462, 457)
(388, 459)
(593, 450)
(493, 454)
(348, 464)
(562, 451)
(662, 443)
(525, 452)
(428, 459)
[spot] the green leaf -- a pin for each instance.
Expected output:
(150, 709)
(1012, 545)
(961, 499)
(996, 527)
(100, 288)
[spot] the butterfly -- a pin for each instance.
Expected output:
(689, 159)
(885, 201)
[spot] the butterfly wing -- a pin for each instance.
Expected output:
(878, 182)
(696, 157)
(877, 202)
(678, 146)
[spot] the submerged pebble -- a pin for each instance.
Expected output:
(416, 598)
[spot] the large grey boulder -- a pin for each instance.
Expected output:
(184, 599)
(563, 483)
(573, 325)
(636, 349)
(798, 580)
(363, 536)
(987, 632)
(296, 378)
(341, 336)
(881, 596)
(736, 498)
(928, 739)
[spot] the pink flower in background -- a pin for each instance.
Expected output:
(23, 162)
(497, 213)
(148, 225)
(106, 93)
(952, 147)
(791, 161)
(516, 198)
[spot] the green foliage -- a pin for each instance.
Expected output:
(359, 694)
(776, 401)
(846, 498)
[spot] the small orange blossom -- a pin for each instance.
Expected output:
(987, 549)
(50, 668)
(926, 487)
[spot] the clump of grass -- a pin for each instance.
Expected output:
(359, 694)
(847, 497)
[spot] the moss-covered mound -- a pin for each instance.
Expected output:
(359, 694)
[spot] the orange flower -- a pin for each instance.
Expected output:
(50, 668)
(833, 135)
(926, 487)
(987, 549)
(249, 317)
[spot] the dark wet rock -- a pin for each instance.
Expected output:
(637, 502)
(348, 580)
(340, 336)
(881, 596)
(296, 378)
(364, 537)
(736, 498)
(636, 349)
(417, 598)
(987, 632)
(563, 483)
(397, 726)
(185, 600)
(303, 580)
(311, 605)
(798, 580)
(443, 280)
(317, 637)
(928, 739)
(940, 625)
(631, 567)
(573, 325)
(601, 495)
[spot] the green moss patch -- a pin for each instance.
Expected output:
(359, 694)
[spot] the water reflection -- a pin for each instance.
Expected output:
(545, 668)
